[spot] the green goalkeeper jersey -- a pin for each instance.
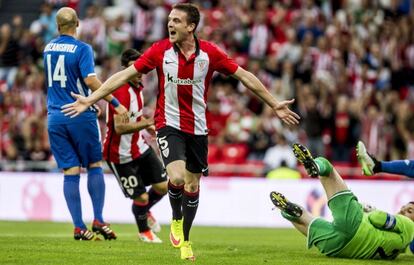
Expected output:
(372, 242)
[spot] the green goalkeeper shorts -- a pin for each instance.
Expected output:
(331, 237)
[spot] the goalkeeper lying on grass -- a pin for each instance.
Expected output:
(353, 232)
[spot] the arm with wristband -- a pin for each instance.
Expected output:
(94, 83)
(384, 221)
(399, 224)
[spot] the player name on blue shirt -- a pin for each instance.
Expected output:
(57, 47)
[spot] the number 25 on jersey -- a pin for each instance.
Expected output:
(58, 73)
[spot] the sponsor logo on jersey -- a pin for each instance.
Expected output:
(179, 81)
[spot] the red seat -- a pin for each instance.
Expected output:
(234, 153)
(214, 153)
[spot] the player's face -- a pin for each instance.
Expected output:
(137, 79)
(178, 28)
(408, 210)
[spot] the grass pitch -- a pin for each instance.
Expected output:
(52, 243)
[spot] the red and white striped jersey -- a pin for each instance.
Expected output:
(183, 83)
(121, 149)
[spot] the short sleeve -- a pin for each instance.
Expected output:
(222, 62)
(86, 61)
(148, 61)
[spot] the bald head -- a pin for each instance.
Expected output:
(67, 20)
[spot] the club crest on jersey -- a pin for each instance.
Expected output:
(166, 152)
(130, 191)
(201, 64)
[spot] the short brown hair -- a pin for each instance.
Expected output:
(129, 55)
(193, 14)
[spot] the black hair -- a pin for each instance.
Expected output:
(193, 14)
(129, 55)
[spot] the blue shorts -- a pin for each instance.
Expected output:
(75, 144)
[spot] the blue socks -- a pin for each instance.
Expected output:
(73, 200)
(400, 167)
(96, 189)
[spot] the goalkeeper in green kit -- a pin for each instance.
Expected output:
(356, 231)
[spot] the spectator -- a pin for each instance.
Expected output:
(279, 153)
(93, 30)
(9, 54)
(47, 21)
(319, 48)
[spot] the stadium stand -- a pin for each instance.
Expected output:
(349, 64)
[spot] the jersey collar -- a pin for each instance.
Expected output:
(197, 44)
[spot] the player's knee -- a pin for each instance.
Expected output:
(143, 198)
(161, 188)
(71, 171)
(191, 187)
(177, 179)
(96, 164)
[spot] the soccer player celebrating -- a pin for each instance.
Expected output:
(133, 162)
(370, 165)
(69, 68)
(185, 65)
(353, 233)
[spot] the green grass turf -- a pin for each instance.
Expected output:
(52, 243)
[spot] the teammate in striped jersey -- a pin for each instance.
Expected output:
(69, 67)
(184, 66)
(130, 158)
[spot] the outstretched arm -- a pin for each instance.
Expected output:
(94, 83)
(82, 103)
(280, 109)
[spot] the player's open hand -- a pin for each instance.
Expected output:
(77, 107)
(283, 112)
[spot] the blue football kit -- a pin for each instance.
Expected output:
(74, 141)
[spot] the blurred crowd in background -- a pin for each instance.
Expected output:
(348, 63)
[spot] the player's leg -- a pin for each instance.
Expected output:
(319, 232)
(296, 214)
(155, 194)
(86, 137)
(190, 201)
(329, 177)
(67, 159)
(131, 184)
(346, 211)
(171, 143)
(370, 165)
(140, 208)
(152, 173)
(96, 189)
(196, 153)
